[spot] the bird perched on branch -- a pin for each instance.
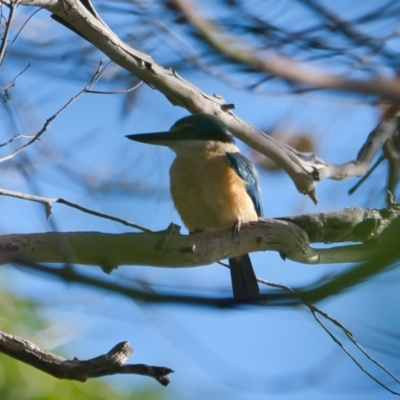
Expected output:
(213, 186)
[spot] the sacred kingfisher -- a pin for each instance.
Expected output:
(213, 186)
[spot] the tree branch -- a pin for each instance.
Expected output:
(291, 237)
(323, 289)
(46, 125)
(284, 68)
(316, 313)
(48, 204)
(305, 172)
(7, 96)
(12, 5)
(111, 363)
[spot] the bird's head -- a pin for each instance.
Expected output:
(199, 132)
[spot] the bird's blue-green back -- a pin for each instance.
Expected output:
(246, 170)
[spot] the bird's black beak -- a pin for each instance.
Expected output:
(157, 138)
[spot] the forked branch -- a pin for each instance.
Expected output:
(305, 172)
(112, 363)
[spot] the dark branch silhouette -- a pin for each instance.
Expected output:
(111, 363)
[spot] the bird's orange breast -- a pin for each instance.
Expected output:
(208, 194)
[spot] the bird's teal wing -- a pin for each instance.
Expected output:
(246, 171)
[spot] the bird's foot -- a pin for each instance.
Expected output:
(236, 228)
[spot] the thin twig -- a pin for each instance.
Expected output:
(48, 203)
(6, 88)
(359, 365)
(46, 125)
(350, 336)
(15, 138)
(117, 91)
(24, 24)
(12, 6)
(314, 311)
(366, 176)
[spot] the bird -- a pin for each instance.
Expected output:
(213, 186)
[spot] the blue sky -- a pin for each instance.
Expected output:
(249, 353)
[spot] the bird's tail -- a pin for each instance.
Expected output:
(244, 281)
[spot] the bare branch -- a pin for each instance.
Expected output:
(291, 237)
(391, 151)
(6, 88)
(311, 293)
(69, 274)
(111, 363)
(163, 249)
(24, 24)
(359, 365)
(366, 176)
(16, 137)
(46, 125)
(83, 19)
(284, 68)
(48, 203)
(304, 172)
(374, 143)
(117, 91)
(315, 311)
(12, 5)
(385, 257)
